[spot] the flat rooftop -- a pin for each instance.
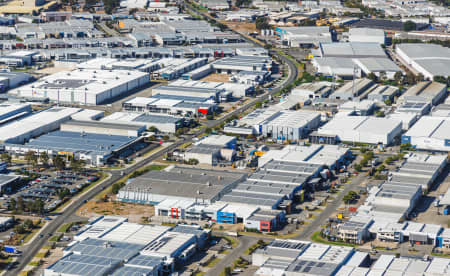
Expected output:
(76, 142)
(184, 182)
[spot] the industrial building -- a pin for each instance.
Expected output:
(362, 129)
(10, 111)
(95, 149)
(122, 248)
(164, 123)
(236, 64)
(304, 37)
(10, 80)
(418, 108)
(357, 108)
(383, 92)
(350, 50)
(352, 89)
(430, 60)
(88, 87)
(290, 125)
(179, 183)
(35, 125)
(367, 35)
(330, 156)
(429, 133)
(97, 127)
(212, 149)
(7, 183)
(171, 105)
(355, 230)
(237, 90)
(381, 67)
(276, 124)
(186, 91)
(425, 92)
(342, 67)
(313, 90)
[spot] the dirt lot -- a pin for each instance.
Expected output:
(217, 78)
(246, 27)
(134, 212)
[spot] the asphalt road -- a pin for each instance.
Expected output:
(330, 209)
(244, 243)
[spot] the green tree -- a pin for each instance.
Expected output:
(192, 161)
(372, 76)
(30, 156)
(19, 229)
(20, 204)
(227, 271)
(262, 23)
(258, 104)
(12, 204)
(388, 102)
(63, 193)
(28, 223)
(153, 129)
(409, 26)
(44, 158)
(5, 157)
(76, 164)
(398, 76)
(358, 167)
(38, 206)
(59, 163)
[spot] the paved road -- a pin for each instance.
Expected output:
(330, 209)
(244, 243)
(108, 30)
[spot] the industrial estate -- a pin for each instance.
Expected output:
(219, 138)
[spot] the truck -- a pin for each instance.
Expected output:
(10, 249)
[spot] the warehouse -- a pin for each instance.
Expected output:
(407, 119)
(236, 89)
(171, 105)
(212, 149)
(164, 123)
(418, 108)
(9, 111)
(135, 233)
(9, 80)
(235, 64)
(254, 78)
(177, 67)
(265, 220)
(250, 124)
(350, 50)
(330, 156)
(380, 67)
(89, 87)
(102, 128)
(186, 91)
(357, 108)
(383, 92)
(430, 60)
(176, 245)
(37, 124)
(426, 91)
(352, 89)
(342, 67)
(367, 35)
(363, 129)
(429, 133)
(279, 249)
(420, 169)
(88, 115)
(313, 90)
(290, 125)
(98, 227)
(95, 149)
(8, 183)
(275, 181)
(304, 37)
(179, 183)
